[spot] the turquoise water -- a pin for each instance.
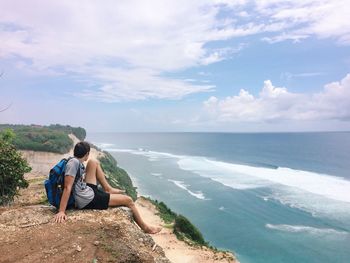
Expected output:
(267, 197)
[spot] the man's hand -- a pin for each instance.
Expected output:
(60, 217)
(120, 191)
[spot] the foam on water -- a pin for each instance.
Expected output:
(183, 186)
(159, 175)
(306, 229)
(332, 187)
(319, 194)
(104, 145)
(150, 154)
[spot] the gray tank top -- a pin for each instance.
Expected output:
(83, 194)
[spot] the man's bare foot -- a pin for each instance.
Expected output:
(152, 230)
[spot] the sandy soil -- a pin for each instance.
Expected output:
(28, 234)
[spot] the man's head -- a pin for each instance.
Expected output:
(81, 149)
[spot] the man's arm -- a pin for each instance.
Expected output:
(68, 183)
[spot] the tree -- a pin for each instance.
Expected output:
(12, 168)
(7, 135)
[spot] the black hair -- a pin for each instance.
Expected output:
(81, 148)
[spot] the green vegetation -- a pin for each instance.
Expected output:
(116, 176)
(182, 227)
(79, 132)
(165, 212)
(12, 168)
(53, 138)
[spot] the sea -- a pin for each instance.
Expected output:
(268, 197)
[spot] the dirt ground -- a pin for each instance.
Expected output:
(28, 233)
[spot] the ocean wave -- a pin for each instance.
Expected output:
(318, 194)
(159, 175)
(183, 186)
(104, 145)
(306, 229)
(245, 177)
(149, 154)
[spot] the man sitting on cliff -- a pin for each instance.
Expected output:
(86, 193)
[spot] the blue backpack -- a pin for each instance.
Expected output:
(55, 184)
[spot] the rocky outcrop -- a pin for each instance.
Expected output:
(28, 234)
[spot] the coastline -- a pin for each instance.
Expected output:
(178, 251)
(175, 250)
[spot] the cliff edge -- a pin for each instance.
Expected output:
(28, 233)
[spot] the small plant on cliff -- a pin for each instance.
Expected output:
(164, 212)
(184, 229)
(12, 168)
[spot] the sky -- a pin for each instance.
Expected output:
(176, 65)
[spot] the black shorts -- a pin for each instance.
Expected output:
(100, 200)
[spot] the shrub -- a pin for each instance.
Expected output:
(12, 169)
(184, 228)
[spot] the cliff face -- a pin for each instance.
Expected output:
(28, 233)
(42, 162)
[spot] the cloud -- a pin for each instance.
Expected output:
(274, 104)
(138, 84)
(147, 39)
(303, 19)
(134, 38)
(289, 76)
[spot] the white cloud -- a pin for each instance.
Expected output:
(118, 37)
(320, 18)
(138, 84)
(276, 104)
(146, 39)
(289, 76)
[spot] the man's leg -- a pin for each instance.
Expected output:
(124, 200)
(94, 173)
